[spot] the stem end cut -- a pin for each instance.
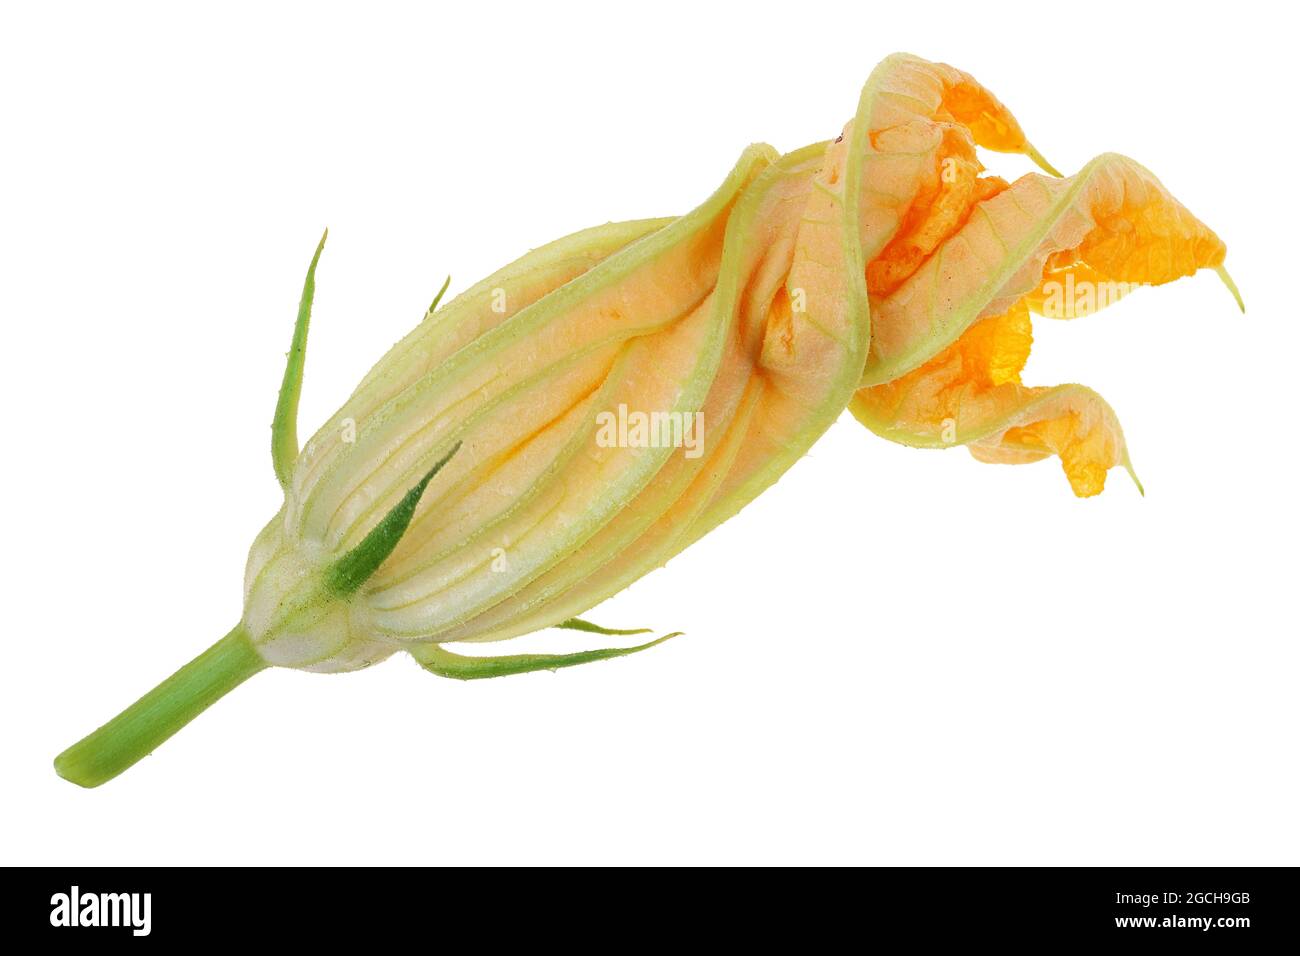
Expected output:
(134, 733)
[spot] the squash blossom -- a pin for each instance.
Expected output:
(577, 419)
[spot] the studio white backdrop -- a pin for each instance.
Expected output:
(893, 656)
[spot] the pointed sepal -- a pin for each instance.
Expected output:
(284, 427)
(349, 572)
(433, 306)
(578, 624)
(438, 660)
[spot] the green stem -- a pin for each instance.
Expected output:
(157, 715)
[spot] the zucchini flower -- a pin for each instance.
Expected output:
(575, 420)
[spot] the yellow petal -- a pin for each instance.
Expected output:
(1069, 421)
(1112, 223)
(949, 342)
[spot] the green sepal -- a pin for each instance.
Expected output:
(438, 298)
(284, 427)
(578, 624)
(349, 572)
(437, 660)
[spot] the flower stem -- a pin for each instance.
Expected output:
(157, 715)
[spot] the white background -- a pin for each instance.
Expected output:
(894, 656)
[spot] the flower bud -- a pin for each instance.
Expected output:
(578, 418)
